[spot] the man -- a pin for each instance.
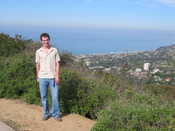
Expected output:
(48, 74)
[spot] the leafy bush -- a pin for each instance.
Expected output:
(10, 46)
(135, 118)
(83, 96)
(17, 76)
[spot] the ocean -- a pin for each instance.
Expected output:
(96, 41)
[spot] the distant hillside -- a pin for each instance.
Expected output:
(162, 56)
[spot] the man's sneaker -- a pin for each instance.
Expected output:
(45, 118)
(58, 118)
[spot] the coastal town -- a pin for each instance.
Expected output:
(156, 66)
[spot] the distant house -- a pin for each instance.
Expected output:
(88, 63)
(168, 79)
(155, 71)
(157, 78)
(138, 70)
(96, 67)
(107, 70)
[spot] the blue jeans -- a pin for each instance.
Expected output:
(44, 83)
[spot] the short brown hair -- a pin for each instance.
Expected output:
(44, 35)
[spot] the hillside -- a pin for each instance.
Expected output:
(116, 102)
(18, 81)
(161, 56)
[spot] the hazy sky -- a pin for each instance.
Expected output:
(146, 14)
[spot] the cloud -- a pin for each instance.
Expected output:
(168, 2)
(89, 1)
(155, 2)
(140, 2)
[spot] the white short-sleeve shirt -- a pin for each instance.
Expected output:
(47, 62)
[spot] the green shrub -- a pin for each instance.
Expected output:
(9, 46)
(83, 96)
(18, 79)
(136, 118)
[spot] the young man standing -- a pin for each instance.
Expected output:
(48, 74)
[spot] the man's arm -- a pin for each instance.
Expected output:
(57, 72)
(37, 61)
(37, 70)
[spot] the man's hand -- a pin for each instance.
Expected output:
(37, 79)
(57, 80)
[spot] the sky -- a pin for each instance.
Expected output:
(136, 14)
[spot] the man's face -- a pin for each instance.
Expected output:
(45, 41)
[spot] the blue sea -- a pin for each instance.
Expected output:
(94, 41)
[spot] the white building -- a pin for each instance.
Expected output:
(138, 70)
(107, 70)
(146, 66)
(88, 63)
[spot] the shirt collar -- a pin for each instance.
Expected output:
(50, 50)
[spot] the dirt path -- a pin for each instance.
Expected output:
(28, 117)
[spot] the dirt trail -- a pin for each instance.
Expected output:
(28, 117)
